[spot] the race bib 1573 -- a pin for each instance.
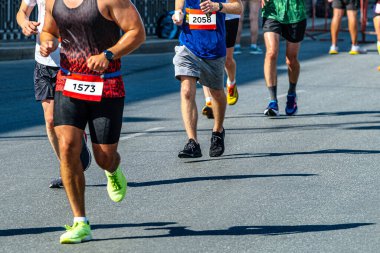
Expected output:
(84, 87)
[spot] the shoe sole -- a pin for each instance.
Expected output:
(237, 98)
(182, 155)
(55, 185)
(86, 239)
(208, 113)
(217, 155)
(271, 113)
(292, 114)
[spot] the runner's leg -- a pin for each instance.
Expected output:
(335, 25)
(188, 106)
(48, 108)
(70, 146)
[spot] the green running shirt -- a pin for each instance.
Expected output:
(285, 11)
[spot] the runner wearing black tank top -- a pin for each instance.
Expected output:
(90, 90)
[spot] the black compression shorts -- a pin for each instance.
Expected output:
(104, 118)
(232, 26)
(291, 32)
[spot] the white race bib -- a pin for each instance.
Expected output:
(91, 90)
(200, 21)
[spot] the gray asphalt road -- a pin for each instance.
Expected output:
(308, 183)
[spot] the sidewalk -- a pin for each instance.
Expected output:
(25, 50)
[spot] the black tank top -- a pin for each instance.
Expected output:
(85, 32)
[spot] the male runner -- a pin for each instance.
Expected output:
(201, 56)
(286, 18)
(90, 90)
(232, 24)
(339, 7)
(45, 74)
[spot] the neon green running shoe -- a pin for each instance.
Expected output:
(116, 185)
(79, 232)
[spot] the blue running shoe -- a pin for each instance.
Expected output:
(291, 105)
(272, 109)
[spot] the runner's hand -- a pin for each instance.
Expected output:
(29, 28)
(263, 3)
(47, 47)
(178, 17)
(209, 6)
(98, 63)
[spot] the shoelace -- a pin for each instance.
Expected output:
(191, 145)
(291, 102)
(114, 182)
(215, 138)
(68, 228)
(230, 91)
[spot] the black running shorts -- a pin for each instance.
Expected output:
(291, 32)
(232, 26)
(352, 5)
(44, 81)
(104, 118)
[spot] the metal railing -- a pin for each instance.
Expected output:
(150, 11)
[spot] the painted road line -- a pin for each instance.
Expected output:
(130, 136)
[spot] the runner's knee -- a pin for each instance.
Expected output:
(292, 61)
(271, 54)
(49, 122)
(229, 62)
(105, 160)
(187, 93)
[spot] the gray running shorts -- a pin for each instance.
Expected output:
(209, 73)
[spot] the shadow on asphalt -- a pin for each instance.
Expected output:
(181, 231)
(317, 152)
(197, 179)
(41, 230)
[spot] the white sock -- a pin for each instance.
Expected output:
(333, 46)
(378, 43)
(208, 100)
(79, 219)
(229, 83)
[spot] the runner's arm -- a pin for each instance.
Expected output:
(233, 7)
(179, 4)
(125, 15)
(28, 27)
(50, 33)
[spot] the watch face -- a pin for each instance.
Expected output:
(109, 55)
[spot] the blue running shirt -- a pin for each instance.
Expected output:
(206, 44)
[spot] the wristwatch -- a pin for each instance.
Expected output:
(220, 6)
(109, 55)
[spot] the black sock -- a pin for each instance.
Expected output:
(273, 92)
(292, 88)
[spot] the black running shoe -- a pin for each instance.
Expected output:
(217, 144)
(56, 183)
(85, 155)
(191, 150)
